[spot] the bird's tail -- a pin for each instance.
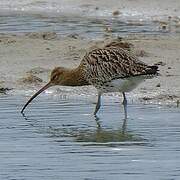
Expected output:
(152, 70)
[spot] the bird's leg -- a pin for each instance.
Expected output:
(98, 105)
(125, 104)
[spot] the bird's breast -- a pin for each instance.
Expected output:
(120, 85)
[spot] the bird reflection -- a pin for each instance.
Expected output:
(31, 121)
(97, 119)
(89, 134)
(102, 135)
(124, 126)
(24, 116)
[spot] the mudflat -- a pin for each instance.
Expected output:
(27, 60)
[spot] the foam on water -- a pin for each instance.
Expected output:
(132, 9)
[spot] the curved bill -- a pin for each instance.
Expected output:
(36, 94)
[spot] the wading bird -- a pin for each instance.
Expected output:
(110, 69)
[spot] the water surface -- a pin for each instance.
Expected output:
(59, 139)
(89, 27)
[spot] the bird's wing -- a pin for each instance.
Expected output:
(103, 65)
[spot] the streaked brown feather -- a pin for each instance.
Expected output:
(110, 69)
(102, 65)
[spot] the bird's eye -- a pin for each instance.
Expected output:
(54, 77)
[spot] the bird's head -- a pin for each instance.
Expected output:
(56, 78)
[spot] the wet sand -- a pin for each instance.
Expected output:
(26, 62)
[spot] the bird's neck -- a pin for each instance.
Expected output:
(74, 77)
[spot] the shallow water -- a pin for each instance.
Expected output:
(88, 27)
(59, 139)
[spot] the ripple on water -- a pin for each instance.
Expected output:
(59, 139)
(89, 27)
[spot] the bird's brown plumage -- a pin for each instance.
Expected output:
(109, 63)
(100, 68)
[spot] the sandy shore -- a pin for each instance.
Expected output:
(27, 60)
